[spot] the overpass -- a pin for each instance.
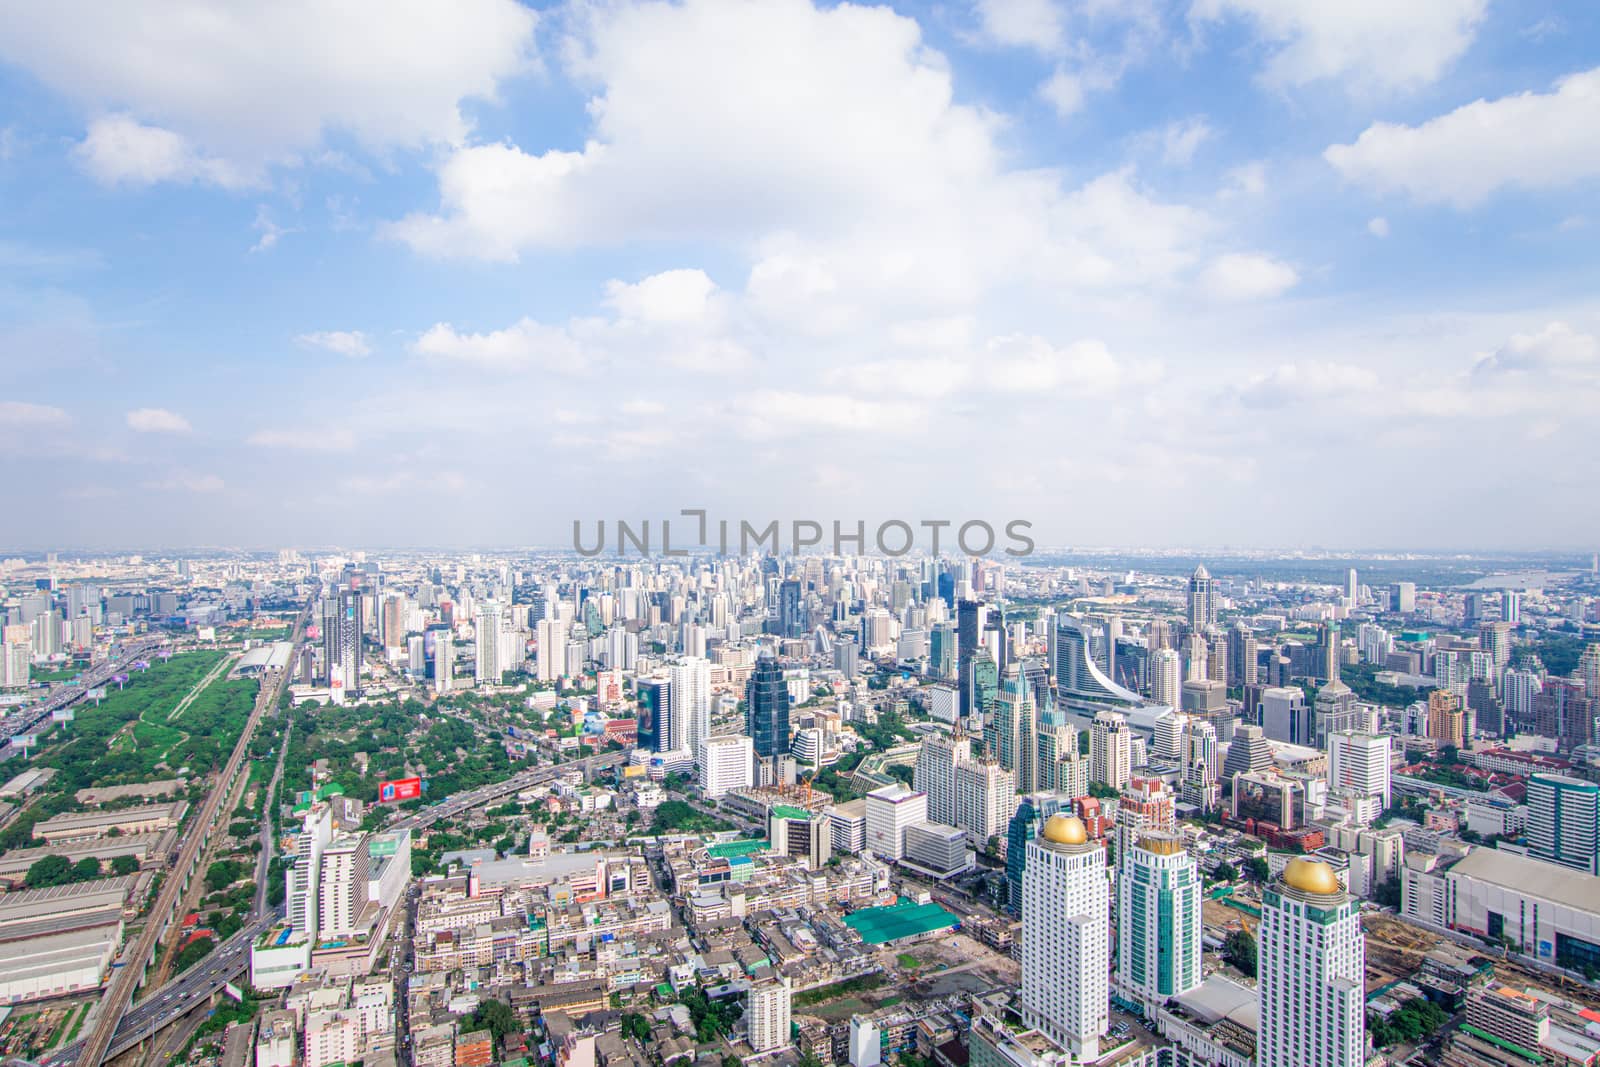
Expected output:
(136, 959)
(455, 805)
(94, 677)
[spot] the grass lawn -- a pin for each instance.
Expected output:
(908, 961)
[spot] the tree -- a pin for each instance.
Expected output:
(1225, 872)
(123, 865)
(85, 869)
(636, 1026)
(495, 1016)
(49, 870)
(1258, 868)
(1240, 950)
(1387, 893)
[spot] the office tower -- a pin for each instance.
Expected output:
(1285, 716)
(1312, 965)
(1065, 941)
(984, 678)
(847, 658)
(1110, 750)
(1202, 600)
(342, 887)
(486, 629)
(1202, 769)
(725, 763)
(1359, 762)
(690, 695)
(1485, 709)
(767, 709)
(1588, 670)
(394, 623)
(1405, 597)
(790, 621)
(1447, 721)
(889, 810)
(1011, 739)
(1352, 589)
(1564, 710)
(1166, 677)
(1248, 753)
(1021, 828)
(986, 796)
(1495, 639)
(1511, 607)
(655, 716)
(1518, 689)
(942, 651)
(1564, 821)
(768, 1008)
(1158, 920)
(303, 878)
(935, 773)
(444, 656)
(1146, 805)
(969, 624)
(552, 655)
(1059, 766)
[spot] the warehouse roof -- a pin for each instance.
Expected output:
(1533, 878)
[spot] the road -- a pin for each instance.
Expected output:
(269, 825)
(120, 662)
(425, 817)
(125, 980)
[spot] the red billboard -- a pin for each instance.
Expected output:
(399, 789)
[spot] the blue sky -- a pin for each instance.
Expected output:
(1247, 272)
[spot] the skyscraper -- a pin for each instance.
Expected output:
(935, 773)
(690, 697)
(1158, 920)
(1564, 821)
(1013, 730)
(1065, 941)
(1359, 761)
(1312, 964)
(767, 709)
(986, 796)
(1110, 750)
(1166, 677)
(486, 627)
(1202, 600)
(790, 621)
(655, 714)
(969, 624)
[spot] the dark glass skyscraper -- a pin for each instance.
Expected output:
(790, 622)
(767, 709)
(654, 702)
(1022, 829)
(967, 627)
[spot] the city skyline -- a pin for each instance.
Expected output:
(1236, 273)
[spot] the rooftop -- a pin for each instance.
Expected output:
(1530, 877)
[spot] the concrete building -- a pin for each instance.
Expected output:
(1158, 920)
(726, 763)
(889, 810)
(1312, 963)
(1360, 762)
(1065, 941)
(1110, 750)
(1564, 821)
(767, 1015)
(937, 850)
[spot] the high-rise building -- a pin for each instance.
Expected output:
(1564, 821)
(1405, 597)
(942, 650)
(1066, 948)
(1110, 750)
(444, 661)
(1147, 805)
(1249, 753)
(969, 625)
(1166, 677)
(342, 887)
(655, 730)
(1158, 920)
(935, 773)
(689, 692)
(486, 628)
(791, 622)
(1285, 715)
(1565, 710)
(725, 763)
(1202, 600)
(1243, 654)
(1447, 720)
(1312, 965)
(767, 709)
(1360, 762)
(985, 796)
(1495, 639)
(1352, 589)
(890, 809)
(552, 656)
(1012, 730)
(767, 1013)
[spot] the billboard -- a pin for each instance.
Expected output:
(399, 789)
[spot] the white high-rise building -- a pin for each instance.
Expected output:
(935, 773)
(1110, 750)
(342, 887)
(1066, 954)
(1312, 963)
(1158, 920)
(1166, 677)
(487, 654)
(726, 763)
(985, 799)
(444, 660)
(302, 880)
(552, 638)
(768, 1017)
(1360, 762)
(690, 695)
(890, 809)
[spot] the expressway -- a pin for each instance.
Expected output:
(126, 979)
(97, 675)
(459, 803)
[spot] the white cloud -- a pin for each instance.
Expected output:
(776, 412)
(674, 297)
(261, 83)
(157, 420)
(524, 345)
(1247, 179)
(305, 439)
(186, 482)
(1387, 45)
(1064, 91)
(1556, 350)
(352, 344)
(1039, 24)
(120, 150)
(1378, 227)
(22, 413)
(1534, 141)
(1181, 139)
(1242, 276)
(1296, 383)
(644, 407)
